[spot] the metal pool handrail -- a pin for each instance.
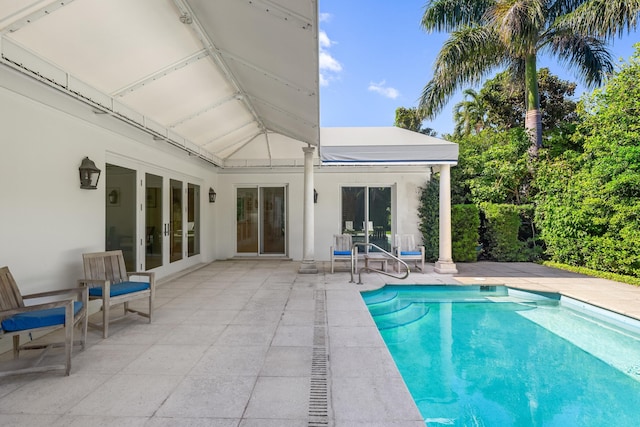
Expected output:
(390, 255)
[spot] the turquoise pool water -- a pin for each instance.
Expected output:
(485, 356)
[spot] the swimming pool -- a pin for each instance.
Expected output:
(491, 356)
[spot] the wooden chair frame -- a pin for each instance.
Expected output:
(343, 243)
(406, 243)
(12, 303)
(104, 269)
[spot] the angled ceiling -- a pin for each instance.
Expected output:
(233, 81)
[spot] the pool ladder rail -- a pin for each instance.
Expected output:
(388, 254)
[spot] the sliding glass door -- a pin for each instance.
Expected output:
(261, 221)
(366, 215)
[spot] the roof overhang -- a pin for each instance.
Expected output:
(373, 146)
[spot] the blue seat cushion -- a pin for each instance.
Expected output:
(403, 253)
(120, 289)
(38, 318)
(342, 252)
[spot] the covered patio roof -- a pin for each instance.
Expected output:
(226, 80)
(384, 145)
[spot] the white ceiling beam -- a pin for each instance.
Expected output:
(229, 132)
(244, 144)
(161, 73)
(275, 128)
(45, 10)
(283, 111)
(282, 12)
(274, 77)
(219, 103)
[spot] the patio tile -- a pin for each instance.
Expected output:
(260, 335)
(106, 358)
(166, 360)
(47, 391)
(99, 421)
(230, 361)
(215, 397)
(192, 334)
(279, 397)
(128, 395)
(372, 399)
(295, 336)
(191, 422)
(19, 420)
(287, 362)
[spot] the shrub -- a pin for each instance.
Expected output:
(502, 227)
(429, 214)
(465, 223)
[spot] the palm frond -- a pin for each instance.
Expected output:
(605, 18)
(466, 57)
(449, 15)
(519, 23)
(587, 54)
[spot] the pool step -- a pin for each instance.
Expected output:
(408, 314)
(379, 297)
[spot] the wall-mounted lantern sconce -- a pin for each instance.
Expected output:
(315, 196)
(212, 195)
(89, 174)
(113, 197)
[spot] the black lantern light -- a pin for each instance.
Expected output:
(89, 174)
(212, 195)
(315, 196)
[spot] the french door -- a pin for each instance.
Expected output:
(261, 220)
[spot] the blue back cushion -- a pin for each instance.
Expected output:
(38, 318)
(410, 253)
(120, 289)
(342, 252)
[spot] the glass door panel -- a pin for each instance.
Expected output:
(247, 220)
(379, 224)
(121, 212)
(193, 219)
(153, 221)
(175, 221)
(272, 203)
(353, 213)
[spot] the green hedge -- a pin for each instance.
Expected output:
(428, 212)
(502, 225)
(465, 225)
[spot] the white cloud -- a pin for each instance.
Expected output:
(329, 66)
(324, 17)
(381, 88)
(323, 40)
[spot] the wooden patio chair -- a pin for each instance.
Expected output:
(341, 250)
(107, 278)
(65, 308)
(406, 249)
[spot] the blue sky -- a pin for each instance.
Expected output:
(374, 58)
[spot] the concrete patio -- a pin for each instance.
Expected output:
(253, 343)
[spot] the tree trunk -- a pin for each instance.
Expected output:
(533, 119)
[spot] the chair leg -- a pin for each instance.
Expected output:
(332, 265)
(68, 333)
(105, 320)
(150, 307)
(16, 346)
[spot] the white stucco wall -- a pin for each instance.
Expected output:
(46, 220)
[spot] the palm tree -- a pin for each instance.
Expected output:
(489, 34)
(469, 114)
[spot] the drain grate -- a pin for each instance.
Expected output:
(319, 388)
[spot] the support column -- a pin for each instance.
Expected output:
(445, 264)
(308, 262)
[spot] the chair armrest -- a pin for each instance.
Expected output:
(87, 282)
(78, 290)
